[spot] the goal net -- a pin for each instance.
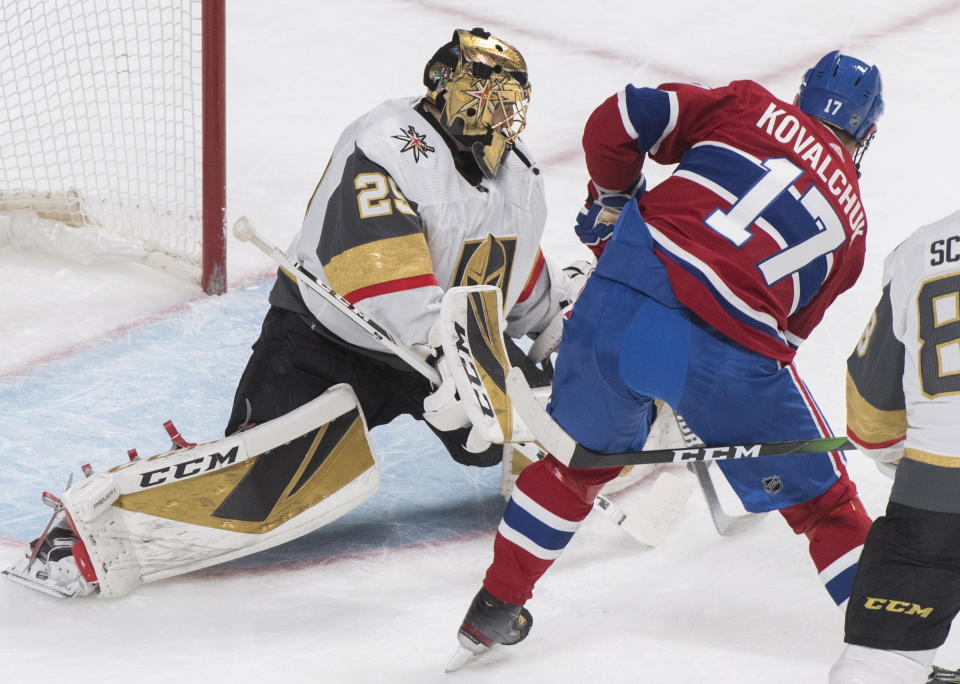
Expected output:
(111, 123)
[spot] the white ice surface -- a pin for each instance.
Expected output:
(92, 360)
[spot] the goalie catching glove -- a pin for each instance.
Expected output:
(571, 283)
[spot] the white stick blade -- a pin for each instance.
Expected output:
(727, 525)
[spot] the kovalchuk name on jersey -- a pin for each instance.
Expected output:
(760, 226)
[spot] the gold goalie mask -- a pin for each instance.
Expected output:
(479, 84)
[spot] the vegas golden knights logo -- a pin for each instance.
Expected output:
(486, 262)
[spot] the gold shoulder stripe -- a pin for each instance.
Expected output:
(870, 423)
(378, 262)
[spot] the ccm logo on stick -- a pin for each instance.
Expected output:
(716, 453)
(187, 468)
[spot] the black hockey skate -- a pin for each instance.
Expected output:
(489, 622)
(940, 675)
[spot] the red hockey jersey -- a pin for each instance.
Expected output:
(760, 225)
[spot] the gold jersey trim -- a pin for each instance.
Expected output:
(931, 458)
(377, 262)
(870, 423)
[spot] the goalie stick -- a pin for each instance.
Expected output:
(563, 447)
(244, 230)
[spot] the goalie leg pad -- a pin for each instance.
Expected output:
(188, 509)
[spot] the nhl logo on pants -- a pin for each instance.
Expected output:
(772, 484)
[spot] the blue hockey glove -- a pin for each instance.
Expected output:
(596, 219)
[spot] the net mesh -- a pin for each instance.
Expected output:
(101, 119)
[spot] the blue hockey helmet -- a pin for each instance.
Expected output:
(845, 93)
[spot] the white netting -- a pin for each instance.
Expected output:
(100, 117)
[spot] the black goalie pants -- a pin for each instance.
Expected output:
(292, 364)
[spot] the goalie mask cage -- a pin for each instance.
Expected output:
(112, 119)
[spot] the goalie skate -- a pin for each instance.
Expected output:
(56, 563)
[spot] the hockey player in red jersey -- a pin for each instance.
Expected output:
(705, 286)
(903, 400)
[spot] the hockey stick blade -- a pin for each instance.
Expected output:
(726, 525)
(553, 438)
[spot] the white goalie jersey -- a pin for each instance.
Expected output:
(903, 380)
(399, 217)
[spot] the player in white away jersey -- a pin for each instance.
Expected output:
(421, 195)
(903, 409)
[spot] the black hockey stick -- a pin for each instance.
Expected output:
(563, 447)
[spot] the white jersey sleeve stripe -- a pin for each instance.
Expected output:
(625, 115)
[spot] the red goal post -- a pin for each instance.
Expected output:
(112, 123)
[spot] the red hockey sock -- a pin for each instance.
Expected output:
(836, 525)
(548, 503)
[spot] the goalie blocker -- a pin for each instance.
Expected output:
(197, 506)
(471, 330)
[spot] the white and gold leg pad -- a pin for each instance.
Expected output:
(194, 507)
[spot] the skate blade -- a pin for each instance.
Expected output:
(464, 655)
(19, 576)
